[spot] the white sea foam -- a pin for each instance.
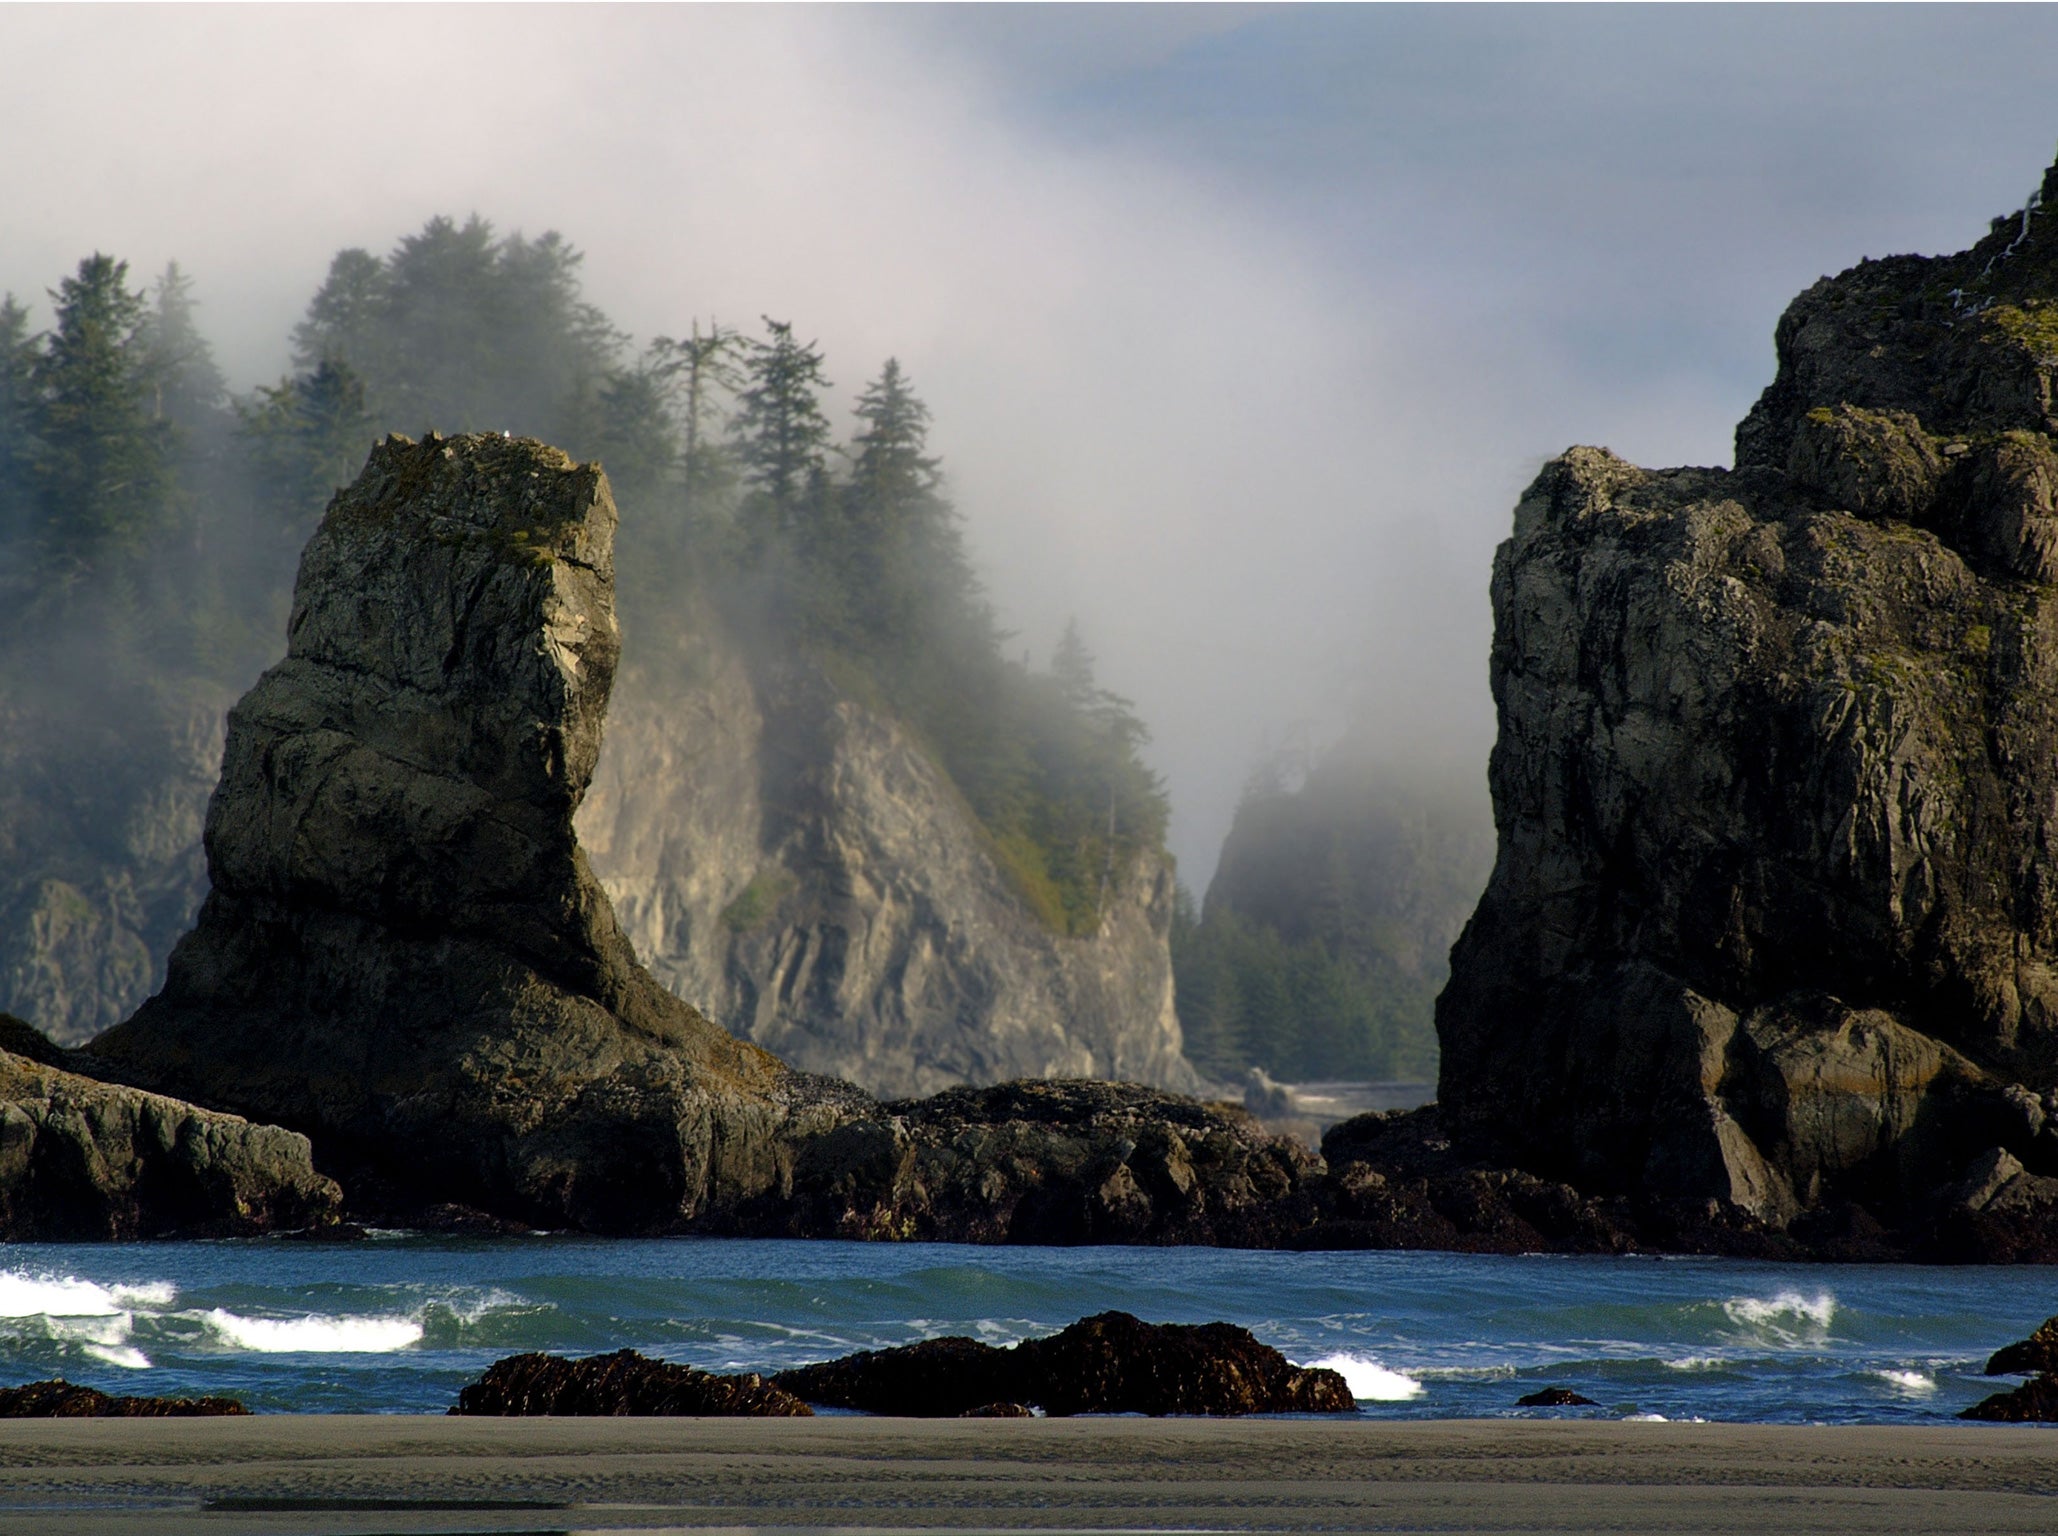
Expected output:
(1913, 1383)
(25, 1295)
(1787, 1318)
(1369, 1381)
(314, 1335)
(1696, 1363)
(127, 1356)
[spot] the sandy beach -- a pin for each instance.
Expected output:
(303, 1474)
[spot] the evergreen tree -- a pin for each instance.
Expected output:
(636, 440)
(1071, 668)
(102, 470)
(345, 318)
(307, 435)
(17, 421)
(782, 436)
(186, 388)
(700, 365)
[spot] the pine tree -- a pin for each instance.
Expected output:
(17, 422)
(782, 435)
(635, 438)
(306, 436)
(700, 365)
(102, 469)
(178, 367)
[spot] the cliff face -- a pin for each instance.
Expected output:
(795, 864)
(102, 793)
(1774, 918)
(404, 954)
(406, 958)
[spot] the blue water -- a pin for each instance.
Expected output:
(399, 1323)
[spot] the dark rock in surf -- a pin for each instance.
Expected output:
(2036, 1354)
(59, 1399)
(2034, 1402)
(1555, 1397)
(86, 1160)
(623, 1383)
(1110, 1363)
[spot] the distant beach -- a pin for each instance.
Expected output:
(312, 1475)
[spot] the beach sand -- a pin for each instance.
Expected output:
(300, 1474)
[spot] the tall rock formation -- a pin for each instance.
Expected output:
(404, 954)
(1774, 919)
(793, 862)
(406, 957)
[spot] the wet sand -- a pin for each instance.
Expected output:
(299, 1475)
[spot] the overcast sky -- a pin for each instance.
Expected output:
(1242, 326)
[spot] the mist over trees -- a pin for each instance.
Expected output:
(152, 519)
(1327, 929)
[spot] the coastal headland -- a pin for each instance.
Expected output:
(328, 1476)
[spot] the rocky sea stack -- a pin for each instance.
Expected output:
(404, 954)
(1774, 921)
(406, 957)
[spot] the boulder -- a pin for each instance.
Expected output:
(1774, 920)
(623, 1383)
(2034, 1402)
(1110, 1363)
(87, 1160)
(1555, 1397)
(2035, 1355)
(59, 1399)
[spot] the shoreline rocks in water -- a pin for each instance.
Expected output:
(2036, 1400)
(59, 1399)
(1109, 1363)
(623, 1383)
(87, 1160)
(1774, 921)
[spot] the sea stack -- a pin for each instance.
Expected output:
(1774, 919)
(404, 954)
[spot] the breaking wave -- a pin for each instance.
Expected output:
(1786, 1319)
(1369, 1381)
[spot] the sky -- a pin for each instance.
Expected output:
(1243, 327)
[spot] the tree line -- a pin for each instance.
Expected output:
(143, 503)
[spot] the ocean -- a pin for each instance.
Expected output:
(398, 1323)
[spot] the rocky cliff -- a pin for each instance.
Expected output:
(1774, 919)
(404, 954)
(102, 793)
(406, 957)
(793, 862)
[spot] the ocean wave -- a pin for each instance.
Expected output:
(25, 1295)
(1912, 1383)
(1369, 1381)
(1786, 1318)
(1698, 1363)
(313, 1334)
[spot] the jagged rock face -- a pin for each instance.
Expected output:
(102, 794)
(81, 1159)
(795, 864)
(404, 953)
(1775, 914)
